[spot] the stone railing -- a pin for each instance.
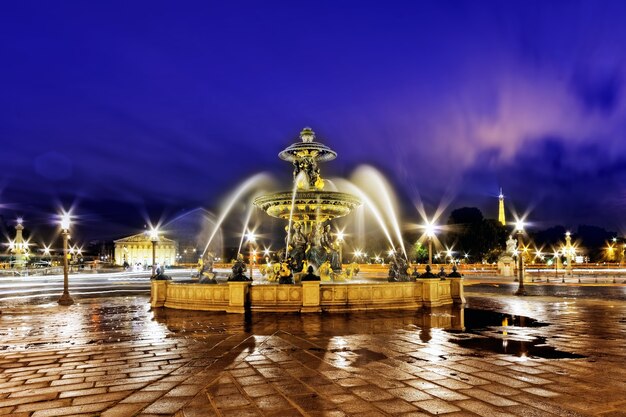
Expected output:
(312, 296)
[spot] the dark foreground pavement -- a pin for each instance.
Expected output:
(115, 357)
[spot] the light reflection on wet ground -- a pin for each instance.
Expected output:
(602, 292)
(564, 341)
(105, 321)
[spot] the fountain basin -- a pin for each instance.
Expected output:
(237, 297)
(314, 205)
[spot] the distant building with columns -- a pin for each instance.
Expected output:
(137, 249)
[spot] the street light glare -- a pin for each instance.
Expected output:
(154, 234)
(430, 229)
(250, 237)
(519, 225)
(65, 220)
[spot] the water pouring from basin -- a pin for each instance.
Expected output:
(245, 187)
(308, 207)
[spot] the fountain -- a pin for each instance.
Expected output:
(308, 208)
(311, 250)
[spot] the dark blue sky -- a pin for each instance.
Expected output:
(123, 106)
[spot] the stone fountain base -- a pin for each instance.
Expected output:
(312, 296)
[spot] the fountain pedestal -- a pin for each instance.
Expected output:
(456, 290)
(311, 297)
(238, 296)
(158, 290)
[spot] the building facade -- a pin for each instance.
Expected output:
(137, 249)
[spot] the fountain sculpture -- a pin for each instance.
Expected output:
(310, 262)
(309, 208)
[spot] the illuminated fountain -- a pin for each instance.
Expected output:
(308, 207)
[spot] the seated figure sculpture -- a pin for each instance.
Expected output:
(325, 271)
(398, 269)
(316, 253)
(428, 273)
(205, 270)
(297, 247)
(285, 276)
(239, 268)
(159, 274)
(454, 273)
(310, 276)
(329, 245)
(352, 270)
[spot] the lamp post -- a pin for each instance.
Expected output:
(430, 234)
(568, 254)
(557, 259)
(520, 269)
(251, 239)
(154, 238)
(65, 299)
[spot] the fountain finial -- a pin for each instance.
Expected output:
(307, 135)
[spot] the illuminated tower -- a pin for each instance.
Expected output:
(501, 218)
(19, 248)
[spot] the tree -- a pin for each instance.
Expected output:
(420, 252)
(482, 239)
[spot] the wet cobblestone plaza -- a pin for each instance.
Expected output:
(500, 356)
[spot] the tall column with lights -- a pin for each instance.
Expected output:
(557, 257)
(568, 254)
(65, 299)
(520, 258)
(19, 247)
(154, 238)
(430, 234)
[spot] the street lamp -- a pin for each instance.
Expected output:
(519, 226)
(569, 251)
(154, 238)
(65, 299)
(430, 234)
(557, 258)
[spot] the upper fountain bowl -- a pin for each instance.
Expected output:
(308, 147)
(308, 202)
(308, 206)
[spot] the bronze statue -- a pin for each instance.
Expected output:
(298, 247)
(239, 268)
(398, 269)
(205, 271)
(329, 246)
(316, 253)
(285, 276)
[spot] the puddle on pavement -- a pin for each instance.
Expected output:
(535, 348)
(478, 322)
(476, 319)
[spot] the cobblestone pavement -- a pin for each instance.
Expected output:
(115, 357)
